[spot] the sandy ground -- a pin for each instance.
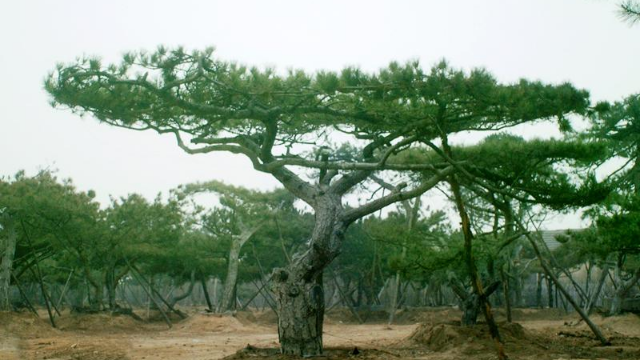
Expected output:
(430, 334)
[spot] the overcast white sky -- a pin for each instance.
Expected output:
(581, 41)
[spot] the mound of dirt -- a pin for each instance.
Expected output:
(25, 324)
(627, 324)
(98, 322)
(427, 315)
(155, 316)
(337, 353)
(246, 317)
(527, 314)
(405, 316)
(198, 323)
(66, 350)
(521, 343)
(267, 318)
(445, 336)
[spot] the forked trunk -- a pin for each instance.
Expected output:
(622, 292)
(229, 292)
(298, 287)
(476, 282)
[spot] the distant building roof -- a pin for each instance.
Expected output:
(549, 237)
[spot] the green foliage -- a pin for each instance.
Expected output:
(200, 95)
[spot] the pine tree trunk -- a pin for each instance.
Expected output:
(228, 292)
(203, 282)
(298, 288)
(393, 304)
(9, 249)
(96, 301)
(300, 307)
(470, 308)
(507, 293)
(110, 284)
(616, 304)
(517, 283)
(476, 282)
(539, 291)
(550, 292)
(622, 292)
(594, 298)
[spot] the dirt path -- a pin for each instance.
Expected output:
(102, 337)
(9, 349)
(199, 346)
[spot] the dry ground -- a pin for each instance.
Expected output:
(430, 334)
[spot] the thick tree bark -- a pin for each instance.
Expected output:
(470, 302)
(8, 249)
(300, 308)
(471, 309)
(298, 287)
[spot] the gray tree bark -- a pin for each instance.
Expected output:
(594, 298)
(229, 292)
(621, 293)
(298, 287)
(8, 248)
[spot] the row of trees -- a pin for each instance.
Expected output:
(63, 237)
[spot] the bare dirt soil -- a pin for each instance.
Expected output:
(430, 334)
